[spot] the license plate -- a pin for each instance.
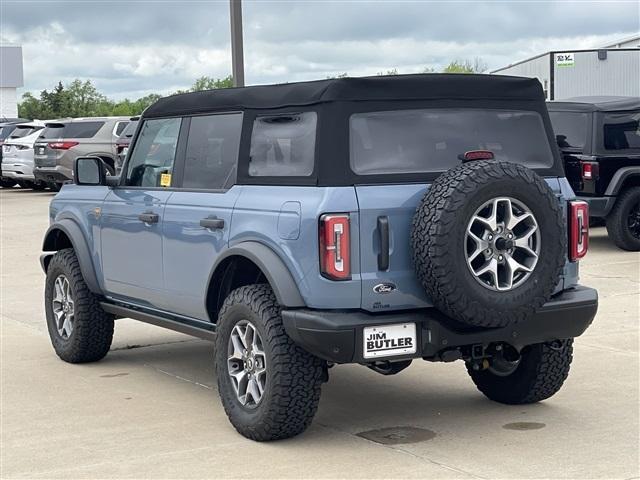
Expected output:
(389, 340)
(7, 149)
(125, 150)
(40, 150)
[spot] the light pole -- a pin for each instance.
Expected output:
(237, 57)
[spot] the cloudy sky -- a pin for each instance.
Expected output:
(131, 48)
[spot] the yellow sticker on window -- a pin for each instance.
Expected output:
(165, 180)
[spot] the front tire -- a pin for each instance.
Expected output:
(623, 223)
(7, 182)
(79, 329)
(252, 345)
(540, 373)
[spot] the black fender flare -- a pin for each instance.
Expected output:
(619, 178)
(73, 232)
(273, 268)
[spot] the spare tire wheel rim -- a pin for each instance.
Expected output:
(502, 244)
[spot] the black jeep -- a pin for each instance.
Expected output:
(600, 141)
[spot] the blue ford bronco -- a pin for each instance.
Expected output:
(356, 220)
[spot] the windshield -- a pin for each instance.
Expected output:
(571, 129)
(416, 141)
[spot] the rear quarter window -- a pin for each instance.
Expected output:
(82, 129)
(433, 140)
(621, 131)
(283, 145)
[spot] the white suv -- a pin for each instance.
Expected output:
(17, 155)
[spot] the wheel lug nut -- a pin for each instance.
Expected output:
(510, 236)
(490, 237)
(500, 257)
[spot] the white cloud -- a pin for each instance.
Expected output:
(160, 47)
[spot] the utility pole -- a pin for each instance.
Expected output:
(237, 56)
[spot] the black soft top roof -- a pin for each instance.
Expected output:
(595, 104)
(392, 87)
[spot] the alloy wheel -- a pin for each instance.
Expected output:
(502, 244)
(247, 364)
(63, 307)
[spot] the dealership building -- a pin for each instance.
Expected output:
(11, 78)
(610, 70)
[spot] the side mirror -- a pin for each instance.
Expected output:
(89, 171)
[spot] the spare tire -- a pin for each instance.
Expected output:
(489, 243)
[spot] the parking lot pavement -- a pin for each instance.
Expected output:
(150, 409)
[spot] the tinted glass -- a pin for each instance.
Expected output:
(283, 145)
(571, 129)
(52, 132)
(72, 130)
(120, 127)
(6, 131)
(130, 129)
(415, 141)
(151, 162)
(23, 131)
(81, 129)
(212, 151)
(621, 131)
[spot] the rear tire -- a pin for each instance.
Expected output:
(39, 186)
(7, 183)
(292, 376)
(623, 223)
(79, 329)
(542, 370)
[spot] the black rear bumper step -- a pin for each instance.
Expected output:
(338, 336)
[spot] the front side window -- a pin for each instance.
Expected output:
(153, 156)
(622, 131)
(571, 129)
(212, 151)
(283, 145)
(418, 141)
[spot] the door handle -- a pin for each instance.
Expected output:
(212, 223)
(383, 231)
(149, 217)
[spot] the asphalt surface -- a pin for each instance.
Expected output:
(150, 408)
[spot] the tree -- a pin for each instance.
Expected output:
(208, 83)
(466, 66)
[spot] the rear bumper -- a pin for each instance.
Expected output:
(338, 336)
(16, 170)
(56, 174)
(599, 206)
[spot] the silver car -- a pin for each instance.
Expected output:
(17, 155)
(61, 142)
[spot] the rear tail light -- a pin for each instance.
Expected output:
(578, 230)
(62, 145)
(335, 246)
(589, 170)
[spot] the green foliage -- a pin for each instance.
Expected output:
(466, 66)
(82, 99)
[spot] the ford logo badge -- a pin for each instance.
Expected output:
(383, 288)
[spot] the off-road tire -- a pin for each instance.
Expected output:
(542, 370)
(438, 236)
(92, 332)
(39, 186)
(294, 376)
(617, 220)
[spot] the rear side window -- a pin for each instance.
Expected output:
(571, 128)
(81, 129)
(212, 151)
(283, 145)
(120, 127)
(72, 130)
(129, 129)
(6, 131)
(622, 131)
(151, 162)
(417, 141)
